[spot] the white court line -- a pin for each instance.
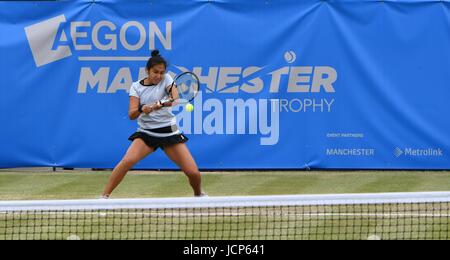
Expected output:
(227, 202)
(105, 214)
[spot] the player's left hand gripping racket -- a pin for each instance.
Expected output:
(183, 90)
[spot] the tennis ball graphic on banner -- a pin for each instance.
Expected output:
(290, 56)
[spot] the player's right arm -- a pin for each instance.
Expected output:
(133, 109)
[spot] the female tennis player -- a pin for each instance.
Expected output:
(157, 127)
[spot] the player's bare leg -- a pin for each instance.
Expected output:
(137, 151)
(179, 154)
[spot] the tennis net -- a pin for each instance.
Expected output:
(338, 216)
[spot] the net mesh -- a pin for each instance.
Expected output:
(243, 218)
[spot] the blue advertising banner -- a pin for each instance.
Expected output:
(286, 84)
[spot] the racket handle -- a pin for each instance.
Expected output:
(163, 102)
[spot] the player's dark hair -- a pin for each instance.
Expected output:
(156, 59)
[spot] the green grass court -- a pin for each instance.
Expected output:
(422, 221)
(25, 185)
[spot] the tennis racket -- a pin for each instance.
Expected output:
(183, 90)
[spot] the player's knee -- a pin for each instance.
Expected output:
(129, 161)
(192, 172)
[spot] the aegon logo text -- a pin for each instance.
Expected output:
(55, 39)
(51, 40)
(105, 41)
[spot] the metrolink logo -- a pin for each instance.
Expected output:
(414, 152)
(55, 39)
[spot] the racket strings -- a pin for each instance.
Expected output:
(187, 87)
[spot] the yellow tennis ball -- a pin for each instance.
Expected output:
(189, 107)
